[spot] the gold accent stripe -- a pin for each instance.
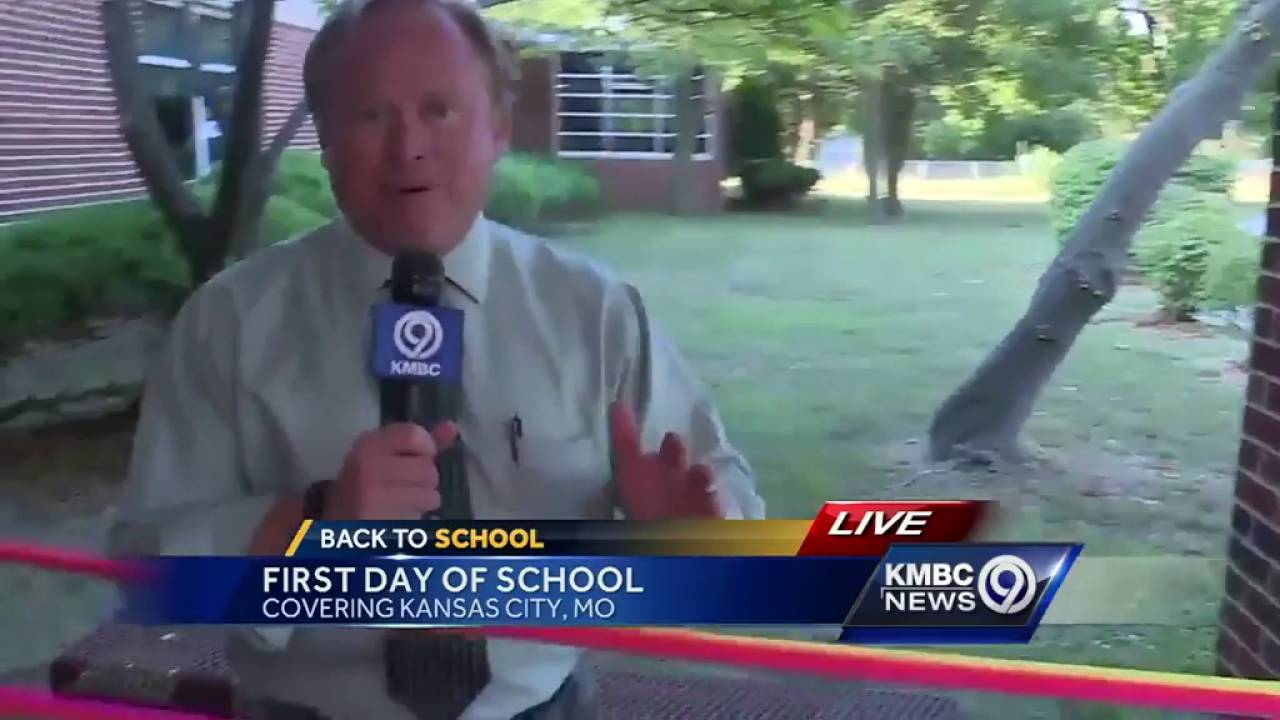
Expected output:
(297, 537)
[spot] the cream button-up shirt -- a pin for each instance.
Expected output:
(266, 384)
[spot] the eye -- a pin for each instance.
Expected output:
(369, 114)
(435, 110)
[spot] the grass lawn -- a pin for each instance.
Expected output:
(830, 343)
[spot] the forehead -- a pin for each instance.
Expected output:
(405, 44)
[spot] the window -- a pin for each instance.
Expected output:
(607, 109)
(172, 32)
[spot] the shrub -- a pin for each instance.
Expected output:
(756, 124)
(1179, 244)
(942, 140)
(1208, 173)
(66, 266)
(772, 183)
(529, 190)
(1084, 169)
(1231, 275)
(1077, 178)
(300, 177)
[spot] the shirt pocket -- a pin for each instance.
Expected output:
(550, 472)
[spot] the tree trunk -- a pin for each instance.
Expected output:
(805, 129)
(205, 237)
(688, 112)
(899, 104)
(983, 418)
(872, 144)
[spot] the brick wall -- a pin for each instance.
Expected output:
(282, 83)
(1249, 627)
(60, 143)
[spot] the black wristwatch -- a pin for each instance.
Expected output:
(313, 500)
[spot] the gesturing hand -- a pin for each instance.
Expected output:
(661, 485)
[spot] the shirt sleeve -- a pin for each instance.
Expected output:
(668, 397)
(186, 492)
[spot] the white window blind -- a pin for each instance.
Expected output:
(610, 111)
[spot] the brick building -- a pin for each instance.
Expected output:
(1249, 633)
(59, 139)
(60, 144)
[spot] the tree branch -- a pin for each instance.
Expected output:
(258, 183)
(244, 136)
(142, 133)
(285, 134)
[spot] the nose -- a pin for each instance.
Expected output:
(410, 139)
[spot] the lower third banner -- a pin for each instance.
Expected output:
(620, 591)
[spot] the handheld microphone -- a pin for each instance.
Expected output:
(417, 358)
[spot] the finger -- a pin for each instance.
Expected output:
(624, 432)
(408, 471)
(700, 478)
(445, 435)
(406, 439)
(673, 453)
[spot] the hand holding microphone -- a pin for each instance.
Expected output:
(390, 474)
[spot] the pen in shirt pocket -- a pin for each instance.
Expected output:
(515, 431)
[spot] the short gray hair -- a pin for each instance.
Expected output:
(496, 51)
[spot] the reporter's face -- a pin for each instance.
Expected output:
(412, 131)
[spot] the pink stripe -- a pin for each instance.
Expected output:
(69, 561)
(40, 704)
(1124, 691)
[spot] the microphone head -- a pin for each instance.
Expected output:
(417, 278)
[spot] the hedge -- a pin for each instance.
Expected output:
(65, 266)
(530, 190)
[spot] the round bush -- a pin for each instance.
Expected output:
(776, 183)
(1182, 241)
(1076, 180)
(1084, 169)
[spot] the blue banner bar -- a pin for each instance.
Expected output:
(466, 591)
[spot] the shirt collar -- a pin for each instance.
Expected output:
(466, 266)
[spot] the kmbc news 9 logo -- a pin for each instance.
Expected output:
(932, 586)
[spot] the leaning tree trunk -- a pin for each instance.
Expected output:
(205, 237)
(872, 143)
(983, 418)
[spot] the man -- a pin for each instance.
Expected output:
(263, 411)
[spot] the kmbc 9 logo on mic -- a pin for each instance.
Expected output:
(418, 335)
(959, 593)
(411, 342)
